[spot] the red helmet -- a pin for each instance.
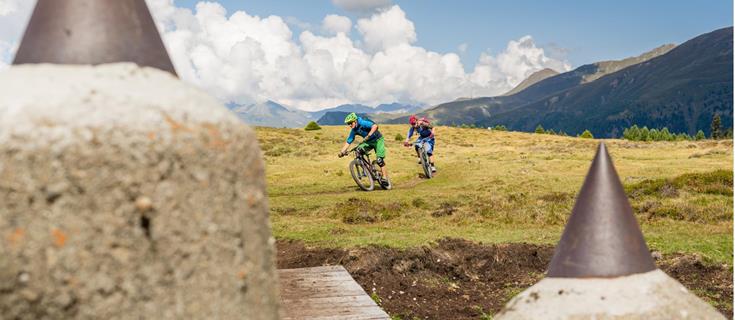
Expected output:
(425, 120)
(412, 120)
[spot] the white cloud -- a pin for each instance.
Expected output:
(335, 24)
(520, 59)
(9, 6)
(386, 29)
(245, 58)
(361, 5)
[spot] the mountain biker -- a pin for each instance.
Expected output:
(422, 127)
(373, 139)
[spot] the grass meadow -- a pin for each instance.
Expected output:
(495, 187)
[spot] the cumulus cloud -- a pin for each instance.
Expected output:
(386, 29)
(243, 58)
(335, 24)
(361, 5)
(520, 59)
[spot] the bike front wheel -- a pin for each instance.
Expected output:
(425, 163)
(361, 174)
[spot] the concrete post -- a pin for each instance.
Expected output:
(602, 268)
(127, 194)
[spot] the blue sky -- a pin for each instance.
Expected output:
(581, 31)
(315, 54)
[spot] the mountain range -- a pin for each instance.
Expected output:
(679, 87)
(273, 114)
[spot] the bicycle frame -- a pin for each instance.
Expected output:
(419, 145)
(364, 157)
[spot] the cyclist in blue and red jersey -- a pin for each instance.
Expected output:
(422, 127)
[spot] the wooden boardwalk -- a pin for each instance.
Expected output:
(325, 293)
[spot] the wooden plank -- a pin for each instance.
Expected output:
(319, 270)
(325, 293)
(319, 302)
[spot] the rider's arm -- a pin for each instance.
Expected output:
(350, 138)
(433, 133)
(409, 134)
(344, 148)
(372, 130)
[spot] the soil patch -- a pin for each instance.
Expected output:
(460, 279)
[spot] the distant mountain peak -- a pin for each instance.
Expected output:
(607, 67)
(533, 78)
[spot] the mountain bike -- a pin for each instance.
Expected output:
(425, 163)
(366, 173)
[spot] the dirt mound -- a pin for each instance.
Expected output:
(454, 279)
(459, 279)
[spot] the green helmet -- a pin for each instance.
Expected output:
(352, 117)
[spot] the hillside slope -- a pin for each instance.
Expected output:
(531, 80)
(680, 90)
(478, 111)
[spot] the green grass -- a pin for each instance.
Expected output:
(498, 186)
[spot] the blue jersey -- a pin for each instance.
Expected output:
(362, 129)
(424, 132)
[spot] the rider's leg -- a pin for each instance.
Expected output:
(380, 153)
(430, 152)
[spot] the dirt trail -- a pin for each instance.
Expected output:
(351, 189)
(459, 279)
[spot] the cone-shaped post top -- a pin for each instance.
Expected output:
(93, 32)
(602, 237)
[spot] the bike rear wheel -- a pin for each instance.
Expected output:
(361, 174)
(425, 162)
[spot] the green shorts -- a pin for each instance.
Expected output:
(378, 145)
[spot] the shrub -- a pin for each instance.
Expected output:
(666, 135)
(634, 133)
(587, 135)
(540, 129)
(700, 135)
(654, 135)
(645, 135)
(399, 137)
(312, 126)
(500, 127)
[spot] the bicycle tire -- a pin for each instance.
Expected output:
(362, 175)
(425, 162)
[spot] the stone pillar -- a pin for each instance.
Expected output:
(127, 194)
(602, 268)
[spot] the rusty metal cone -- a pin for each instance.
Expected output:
(602, 237)
(93, 32)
